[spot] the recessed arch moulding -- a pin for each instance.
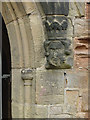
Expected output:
(22, 21)
(32, 97)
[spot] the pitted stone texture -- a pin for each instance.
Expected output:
(80, 27)
(58, 46)
(49, 87)
(58, 54)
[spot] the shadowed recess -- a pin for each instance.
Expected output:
(55, 8)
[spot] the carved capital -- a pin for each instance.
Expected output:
(56, 26)
(27, 74)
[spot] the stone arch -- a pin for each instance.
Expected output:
(26, 35)
(22, 21)
(19, 19)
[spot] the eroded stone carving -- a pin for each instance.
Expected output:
(57, 53)
(56, 26)
(57, 46)
(27, 74)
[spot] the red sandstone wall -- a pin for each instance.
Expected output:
(87, 10)
(81, 51)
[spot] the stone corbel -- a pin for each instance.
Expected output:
(58, 45)
(27, 76)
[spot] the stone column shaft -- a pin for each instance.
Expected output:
(27, 76)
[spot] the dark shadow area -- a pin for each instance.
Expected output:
(55, 8)
(6, 73)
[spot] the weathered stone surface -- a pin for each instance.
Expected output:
(48, 84)
(82, 115)
(18, 9)
(76, 9)
(58, 26)
(85, 99)
(80, 8)
(28, 111)
(81, 48)
(49, 99)
(49, 87)
(87, 11)
(80, 27)
(38, 39)
(77, 79)
(58, 54)
(6, 12)
(17, 110)
(54, 23)
(58, 45)
(41, 111)
(29, 7)
(71, 99)
(64, 8)
(17, 86)
(14, 37)
(26, 41)
(56, 109)
(62, 116)
(51, 8)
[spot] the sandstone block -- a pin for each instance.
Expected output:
(80, 27)
(49, 87)
(62, 116)
(55, 110)
(71, 100)
(41, 111)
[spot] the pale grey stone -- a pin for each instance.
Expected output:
(56, 110)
